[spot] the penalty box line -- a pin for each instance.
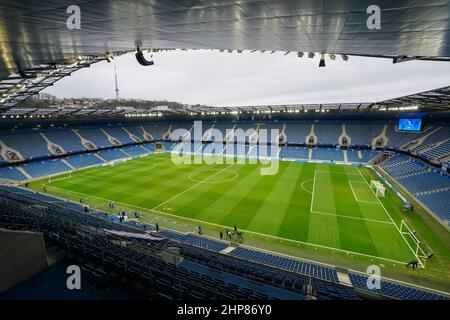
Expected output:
(392, 220)
(351, 217)
(339, 215)
(223, 226)
(354, 193)
(191, 187)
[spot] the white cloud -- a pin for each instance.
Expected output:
(214, 78)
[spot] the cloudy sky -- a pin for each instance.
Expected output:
(219, 79)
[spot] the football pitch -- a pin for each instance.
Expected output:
(328, 206)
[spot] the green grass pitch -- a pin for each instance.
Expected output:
(329, 206)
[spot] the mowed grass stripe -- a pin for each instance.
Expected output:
(248, 204)
(205, 182)
(271, 213)
(226, 195)
(324, 229)
(296, 218)
(346, 204)
(273, 205)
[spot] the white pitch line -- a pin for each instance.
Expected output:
(346, 173)
(314, 186)
(392, 220)
(351, 217)
(191, 187)
(356, 198)
(91, 177)
(303, 187)
(246, 231)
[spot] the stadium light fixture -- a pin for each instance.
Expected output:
(344, 57)
(322, 61)
(109, 58)
(300, 54)
(311, 55)
(141, 59)
(332, 56)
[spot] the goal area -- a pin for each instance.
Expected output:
(380, 190)
(414, 243)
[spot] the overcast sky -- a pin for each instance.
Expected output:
(219, 79)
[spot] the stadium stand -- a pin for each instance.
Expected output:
(135, 130)
(294, 152)
(65, 138)
(328, 154)
(327, 134)
(97, 137)
(397, 139)
(393, 290)
(11, 173)
(436, 202)
(45, 168)
(156, 130)
(297, 132)
(289, 264)
(84, 160)
(29, 144)
(427, 185)
(196, 277)
(134, 150)
(112, 154)
(119, 134)
(440, 151)
(437, 135)
(362, 134)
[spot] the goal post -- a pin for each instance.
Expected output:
(416, 245)
(380, 190)
(59, 177)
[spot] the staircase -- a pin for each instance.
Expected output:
(50, 144)
(111, 139)
(415, 143)
(228, 250)
(132, 136)
(95, 154)
(147, 136)
(68, 164)
(383, 136)
(22, 170)
(417, 148)
(89, 145)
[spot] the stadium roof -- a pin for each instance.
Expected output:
(433, 100)
(34, 33)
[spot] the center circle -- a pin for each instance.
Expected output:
(213, 175)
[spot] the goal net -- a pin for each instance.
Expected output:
(59, 177)
(378, 187)
(159, 147)
(414, 243)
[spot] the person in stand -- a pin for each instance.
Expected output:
(221, 235)
(157, 227)
(235, 228)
